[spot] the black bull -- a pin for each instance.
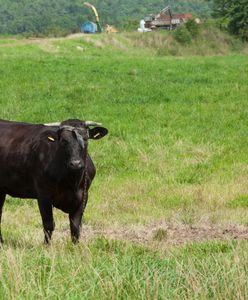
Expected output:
(49, 163)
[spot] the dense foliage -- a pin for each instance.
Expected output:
(200, 8)
(39, 16)
(233, 14)
(61, 16)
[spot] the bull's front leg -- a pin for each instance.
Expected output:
(46, 211)
(75, 223)
(2, 199)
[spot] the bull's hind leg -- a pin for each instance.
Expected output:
(46, 211)
(2, 199)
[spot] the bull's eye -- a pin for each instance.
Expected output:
(79, 138)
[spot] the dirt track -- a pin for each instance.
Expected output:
(168, 234)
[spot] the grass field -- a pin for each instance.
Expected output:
(168, 211)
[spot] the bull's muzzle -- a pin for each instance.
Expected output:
(75, 164)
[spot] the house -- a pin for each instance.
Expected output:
(166, 19)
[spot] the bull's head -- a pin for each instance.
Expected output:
(72, 139)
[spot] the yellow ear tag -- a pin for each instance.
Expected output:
(51, 139)
(96, 135)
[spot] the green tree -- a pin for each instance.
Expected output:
(233, 14)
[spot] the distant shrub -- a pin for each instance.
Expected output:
(192, 27)
(182, 35)
(129, 24)
(160, 235)
(244, 33)
(55, 31)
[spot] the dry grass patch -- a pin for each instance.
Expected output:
(163, 234)
(48, 46)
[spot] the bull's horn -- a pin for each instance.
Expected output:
(92, 123)
(53, 124)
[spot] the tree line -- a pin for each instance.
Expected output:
(66, 16)
(58, 17)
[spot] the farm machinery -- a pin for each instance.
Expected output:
(98, 25)
(90, 27)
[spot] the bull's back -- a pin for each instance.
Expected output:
(16, 140)
(17, 158)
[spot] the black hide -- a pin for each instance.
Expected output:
(50, 164)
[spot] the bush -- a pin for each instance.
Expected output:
(192, 27)
(182, 35)
(129, 24)
(244, 33)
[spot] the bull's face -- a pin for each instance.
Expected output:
(73, 145)
(72, 140)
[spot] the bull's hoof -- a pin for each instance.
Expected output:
(47, 241)
(75, 240)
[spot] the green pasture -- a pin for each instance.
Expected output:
(176, 152)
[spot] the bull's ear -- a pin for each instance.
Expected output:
(97, 133)
(51, 136)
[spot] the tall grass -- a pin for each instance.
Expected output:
(116, 270)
